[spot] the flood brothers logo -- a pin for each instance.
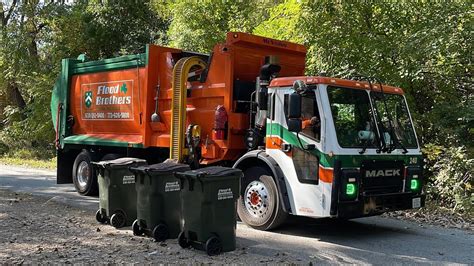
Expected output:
(107, 95)
(88, 99)
(110, 95)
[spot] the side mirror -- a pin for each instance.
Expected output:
(294, 106)
(295, 125)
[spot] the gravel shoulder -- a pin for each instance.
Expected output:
(37, 230)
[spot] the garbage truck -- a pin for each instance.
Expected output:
(312, 146)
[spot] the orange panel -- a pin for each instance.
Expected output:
(326, 174)
(108, 102)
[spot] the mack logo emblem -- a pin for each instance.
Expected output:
(377, 173)
(88, 98)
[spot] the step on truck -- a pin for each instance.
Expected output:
(311, 146)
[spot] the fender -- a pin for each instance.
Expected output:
(262, 156)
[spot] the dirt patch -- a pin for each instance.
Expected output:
(433, 215)
(38, 230)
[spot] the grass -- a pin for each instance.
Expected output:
(33, 163)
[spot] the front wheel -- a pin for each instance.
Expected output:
(160, 232)
(83, 175)
(259, 206)
(213, 246)
(118, 220)
(100, 218)
(183, 241)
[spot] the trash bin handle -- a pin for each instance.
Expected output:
(181, 178)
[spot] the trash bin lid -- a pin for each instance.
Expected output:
(214, 171)
(125, 161)
(167, 167)
(161, 168)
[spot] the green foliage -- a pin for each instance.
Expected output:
(3, 148)
(198, 26)
(283, 23)
(39, 34)
(453, 182)
(423, 47)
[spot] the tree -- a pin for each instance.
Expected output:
(198, 26)
(283, 22)
(424, 48)
(36, 35)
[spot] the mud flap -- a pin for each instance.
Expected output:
(65, 161)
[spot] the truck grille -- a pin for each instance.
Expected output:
(381, 177)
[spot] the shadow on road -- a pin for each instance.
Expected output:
(338, 230)
(374, 239)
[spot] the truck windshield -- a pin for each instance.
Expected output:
(396, 110)
(354, 119)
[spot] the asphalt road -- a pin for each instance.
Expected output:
(373, 240)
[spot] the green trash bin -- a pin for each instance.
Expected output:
(208, 204)
(158, 201)
(117, 195)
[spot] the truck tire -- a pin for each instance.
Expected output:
(259, 205)
(83, 175)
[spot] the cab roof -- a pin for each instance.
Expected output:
(362, 85)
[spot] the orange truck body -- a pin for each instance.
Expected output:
(112, 106)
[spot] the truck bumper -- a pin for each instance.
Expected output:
(378, 204)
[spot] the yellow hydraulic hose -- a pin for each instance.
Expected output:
(178, 103)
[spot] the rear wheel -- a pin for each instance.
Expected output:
(259, 205)
(83, 175)
(137, 231)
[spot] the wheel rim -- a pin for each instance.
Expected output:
(83, 175)
(256, 199)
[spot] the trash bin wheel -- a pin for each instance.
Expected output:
(183, 241)
(213, 246)
(117, 220)
(100, 218)
(136, 229)
(160, 232)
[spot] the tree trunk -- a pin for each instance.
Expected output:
(14, 96)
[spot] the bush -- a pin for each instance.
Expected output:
(3, 148)
(452, 180)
